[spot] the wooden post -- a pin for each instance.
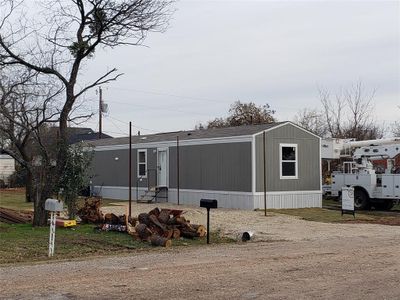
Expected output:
(177, 166)
(130, 169)
(264, 185)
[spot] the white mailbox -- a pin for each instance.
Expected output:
(53, 205)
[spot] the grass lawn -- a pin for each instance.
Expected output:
(15, 199)
(335, 216)
(22, 243)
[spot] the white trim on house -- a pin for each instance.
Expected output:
(160, 144)
(140, 163)
(166, 149)
(286, 123)
(296, 161)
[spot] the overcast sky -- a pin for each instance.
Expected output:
(216, 52)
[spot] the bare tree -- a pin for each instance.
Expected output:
(26, 105)
(396, 127)
(350, 113)
(59, 44)
(312, 120)
(244, 114)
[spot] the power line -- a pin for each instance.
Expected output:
(173, 95)
(135, 126)
(158, 108)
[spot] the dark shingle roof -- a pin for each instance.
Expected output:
(78, 134)
(187, 135)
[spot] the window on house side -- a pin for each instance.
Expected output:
(288, 161)
(142, 163)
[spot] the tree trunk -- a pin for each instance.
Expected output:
(42, 191)
(29, 190)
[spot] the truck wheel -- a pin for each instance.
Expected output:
(361, 200)
(387, 205)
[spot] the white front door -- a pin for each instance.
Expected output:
(162, 167)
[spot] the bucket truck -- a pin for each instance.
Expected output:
(380, 189)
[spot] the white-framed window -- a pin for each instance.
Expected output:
(288, 163)
(142, 163)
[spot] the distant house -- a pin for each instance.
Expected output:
(78, 134)
(7, 167)
(224, 164)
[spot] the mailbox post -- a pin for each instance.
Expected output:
(53, 206)
(208, 203)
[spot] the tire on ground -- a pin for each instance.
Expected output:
(387, 205)
(361, 199)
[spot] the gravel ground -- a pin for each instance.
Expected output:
(289, 259)
(274, 227)
(337, 268)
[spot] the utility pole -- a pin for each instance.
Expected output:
(130, 170)
(100, 111)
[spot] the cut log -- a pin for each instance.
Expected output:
(164, 216)
(111, 219)
(155, 211)
(200, 229)
(172, 221)
(156, 230)
(144, 219)
(130, 229)
(189, 234)
(168, 233)
(176, 233)
(143, 231)
(180, 220)
(156, 240)
(154, 220)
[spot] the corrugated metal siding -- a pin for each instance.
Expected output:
(225, 199)
(289, 200)
(110, 172)
(308, 148)
(220, 167)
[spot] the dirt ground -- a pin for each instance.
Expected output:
(274, 227)
(289, 259)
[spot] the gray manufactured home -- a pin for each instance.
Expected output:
(224, 164)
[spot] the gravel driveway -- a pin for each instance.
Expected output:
(274, 227)
(293, 259)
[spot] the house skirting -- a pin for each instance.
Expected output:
(226, 199)
(117, 192)
(295, 199)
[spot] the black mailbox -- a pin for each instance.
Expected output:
(209, 203)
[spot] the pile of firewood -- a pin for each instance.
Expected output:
(160, 226)
(11, 216)
(90, 212)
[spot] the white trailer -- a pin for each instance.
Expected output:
(370, 188)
